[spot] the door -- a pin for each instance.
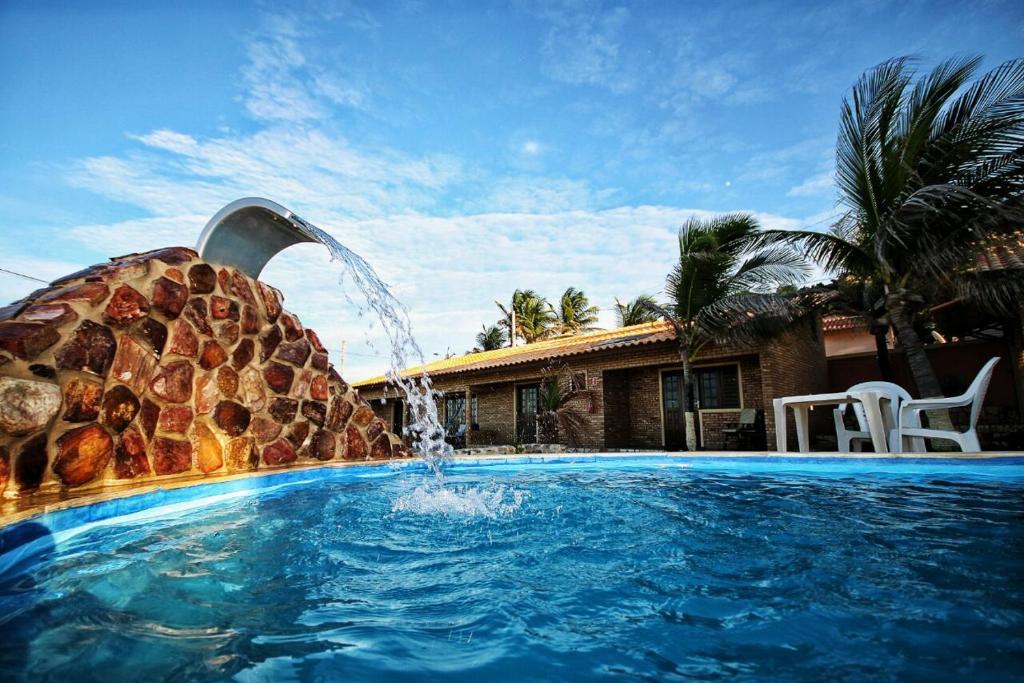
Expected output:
(397, 416)
(527, 403)
(673, 416)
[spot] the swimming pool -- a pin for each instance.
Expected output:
(551, 568)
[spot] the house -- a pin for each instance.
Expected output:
(635, 376)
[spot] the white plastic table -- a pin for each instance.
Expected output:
(802, 404)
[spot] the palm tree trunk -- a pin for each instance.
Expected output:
(688, 414)
(882, 354)
(920, 367)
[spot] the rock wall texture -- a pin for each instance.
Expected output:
(161, 364)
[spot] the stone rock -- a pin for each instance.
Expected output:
(82, 454)
(81, 400)
(297, 434)
(341, 411)
(240, 288)
(149, 417)
(301, 387)
(271, 301)
(173, 382)
(355, 444)
(319, 389)
(170, 456)
(126, 306)
(322, 445)
(172, 256)
(169, 297)
(320, 362)
(54, 314)
(44, 371)
(381, 449)
(376, 428)
(175, 275)
(90, 349)
(175, 419)
(119, 408)
(269, 342)
(278, 453)
(222, 279)
(206, 393)
(251, 389)
(314, 411)
(212, 355)
(5, 467)
(283, 409)
(202, 279)
(264, 430)
(31, 464)
(133, 365)
(233, 418)
(241, 454)
(227, 333)
(294, 352)
(363, 415)
(227, 381)
(183, 340)
(209, 454)
(400, 450)
(292, 327)
(278, 377)
(130, 459)
(27, 340)
(195, 313)
(314, 339)
(93, 292)
(223, 309)
(153, 332)
(335, 378)
(250, 320)
(243, 354)
(27, 405)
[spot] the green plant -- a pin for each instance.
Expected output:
(575, 314)
(489, 338)
(562, 395)
(534, 318)
(635, 312)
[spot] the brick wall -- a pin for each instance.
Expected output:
(793, 364)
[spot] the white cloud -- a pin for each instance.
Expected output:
(816, 185)
(584, 47)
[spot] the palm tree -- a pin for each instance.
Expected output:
(929, 172)
(562, 392)
(636, 311)
(720, 290)
(534, 317)
(490, 337)
(575, 314)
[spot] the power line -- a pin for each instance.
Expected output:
(27, 277)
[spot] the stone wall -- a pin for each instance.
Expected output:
(159, 364)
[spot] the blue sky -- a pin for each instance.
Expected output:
(465, 149)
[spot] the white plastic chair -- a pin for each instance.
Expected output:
(855, 438)
(910, 415)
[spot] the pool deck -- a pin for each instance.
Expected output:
(15, 510)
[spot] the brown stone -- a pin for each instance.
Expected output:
(54, 314)
(227, 381)
(243, 354)
(195, 313)
(149, 416)
(381, 449)
(27, 405)
(207, 393)
(315, 411)
(314, 339)
(27, 340)
(172, 256)
(302, 381)
(240, 288)
(170, 456)
(251, 389)
(133, 365)
(169, 297)
(269, 342)
(322, 445)
(130, 459)
(241, 454)
(93, 292)
(292, 327)
(376, 428)
(400, 450)
(264, 430)
(319, 362)
(278, 453)
(82, 454)
(297, 434)
(125, 306)
(271, 300)
(283, 409)
(231, 417)
(355, 444)
(222, 279)
(82, 400)
(183, 340)
(335, 378)
(363, 415)
(5, 467)
(208, 452)
(31, 464)
(175, 419)
(175, 275)
(294, 352)
(318, 389)
(119, 408)
(90, 349)
(279, 377)
(173, 382)
(212, 355)
(227, 333)
(202, 279)
(341, 411)
(223, 309)
(250, 320)
(153, 333)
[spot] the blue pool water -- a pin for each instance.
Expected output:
(654, 568)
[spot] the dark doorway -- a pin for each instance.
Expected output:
(675, 418)
(527, 404)
(397, 416)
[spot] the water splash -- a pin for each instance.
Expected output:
(424, 426)
(434, 498)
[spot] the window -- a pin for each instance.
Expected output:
(454, 412)
(717, 387)
(473, 414)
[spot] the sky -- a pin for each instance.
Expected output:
(464, 149)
